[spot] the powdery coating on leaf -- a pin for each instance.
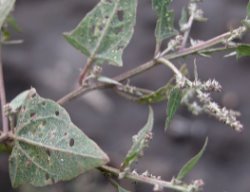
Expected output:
(165, 22)
(48, 146)
(105, 31)
(5, 8)
(17, 102)
(140, 141)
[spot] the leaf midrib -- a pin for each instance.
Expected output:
(105, 30)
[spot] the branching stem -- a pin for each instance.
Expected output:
(152, 63)
(144, 179)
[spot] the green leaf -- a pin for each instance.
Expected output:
(173, 104)
(6, 7)
(162, 93)
(165, 19)
(5, 148)
(159, 95)
(184, 18)
(48, 146)
(243, 50)
(191, 163)
(140, 141)
(248, 9)
(104, 33)
(12, 22)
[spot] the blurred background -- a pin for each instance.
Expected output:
(48, 63)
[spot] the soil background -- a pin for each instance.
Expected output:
(48, 63)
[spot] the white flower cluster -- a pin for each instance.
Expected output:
(202, 91)
(227, 116)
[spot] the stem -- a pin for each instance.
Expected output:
(75, 93)
(144, 179)
(85, 71)
(5, 122)
(152, 63)
(187, 32)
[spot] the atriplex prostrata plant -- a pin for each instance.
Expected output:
(39, 133)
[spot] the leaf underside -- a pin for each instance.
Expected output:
(48, 146)
(5, 8)
(140, 141)
(105, 31)
(165, 19)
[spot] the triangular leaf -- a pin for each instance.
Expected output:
(165, 19)
(6, 7)
(104, 33)
(243, 50)
(173, 104)
(48, 146)
(191, 163)
(140, 141)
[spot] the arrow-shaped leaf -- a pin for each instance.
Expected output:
(165, 19)
(104, 33)
(173, 104)
(48, 146)
(6, 7)
(191, 163)
(140, 141)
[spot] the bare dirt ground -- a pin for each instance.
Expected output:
(48, 63)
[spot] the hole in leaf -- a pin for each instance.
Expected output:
(32, 115)
(100, 27)
(43, 103)
(71, 142)
(57, 113)
(47, 176)
(120, 15)
(65, 134)
(118, 30)
(92, 29)
(106, 17)
(119, 47)
(48, 152)
(43, 122)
